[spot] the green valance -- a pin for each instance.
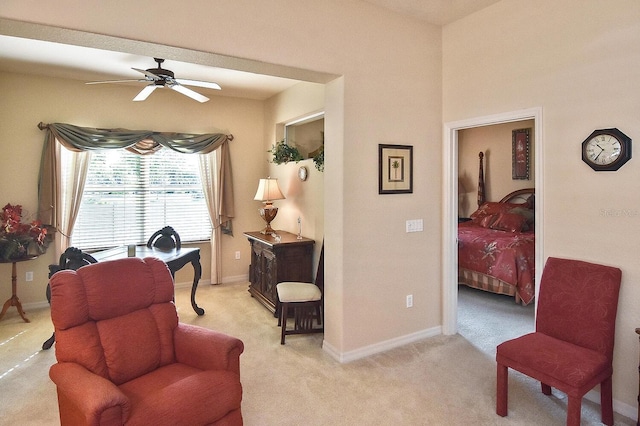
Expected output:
(82, 139)
(78, 138)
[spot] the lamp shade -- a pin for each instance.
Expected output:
(268, 190)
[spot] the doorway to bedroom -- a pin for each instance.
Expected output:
(454, 136)
(495, 300)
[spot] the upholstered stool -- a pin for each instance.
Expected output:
(306, 299)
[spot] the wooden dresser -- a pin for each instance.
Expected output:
(272, 262)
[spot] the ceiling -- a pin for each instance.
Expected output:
(37, 57)
(437, 12)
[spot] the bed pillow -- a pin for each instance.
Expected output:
(487, 221)
(511, 222)
(490, 208)
(528, 214)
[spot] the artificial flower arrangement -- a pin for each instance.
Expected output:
(16, 237)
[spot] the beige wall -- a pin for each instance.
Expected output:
(495, 142)
(578, 61)
(389, 92)
(304, 200)
(28, 100)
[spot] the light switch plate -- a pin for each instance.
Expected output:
(414, 225)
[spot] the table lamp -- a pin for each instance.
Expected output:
(268, 191)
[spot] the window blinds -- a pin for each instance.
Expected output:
(128, 197)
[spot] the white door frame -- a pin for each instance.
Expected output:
(450, 205)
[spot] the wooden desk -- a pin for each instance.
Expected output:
(175, 260)
(273, 261)
(13, 300)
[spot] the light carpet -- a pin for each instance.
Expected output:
(444, 380)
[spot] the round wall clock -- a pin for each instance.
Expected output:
(303, 173)
(606, 149)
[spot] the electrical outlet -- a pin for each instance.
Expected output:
(28, 276)
(409, 300)
(237, 255)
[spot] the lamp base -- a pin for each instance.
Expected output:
(268, 213)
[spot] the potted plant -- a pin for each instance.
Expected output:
(283, 153)
(318, 159)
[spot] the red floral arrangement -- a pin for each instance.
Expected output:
(15, 236)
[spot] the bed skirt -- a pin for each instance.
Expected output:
(487, 283)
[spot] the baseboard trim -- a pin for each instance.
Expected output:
(189, 284)
(34, 306)
(235, 279)
(345, 357)
(618, 406)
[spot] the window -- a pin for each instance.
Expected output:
(127, 197)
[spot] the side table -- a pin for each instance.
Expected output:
(13, 300)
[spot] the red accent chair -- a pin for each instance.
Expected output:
(572, 347)
(124, 359)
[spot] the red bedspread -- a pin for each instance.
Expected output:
(508, 256)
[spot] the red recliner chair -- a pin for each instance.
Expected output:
(572, 347)
(124, 359)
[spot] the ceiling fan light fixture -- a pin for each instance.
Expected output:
(161, 77)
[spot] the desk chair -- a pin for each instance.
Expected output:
(572, 347)
(306, 300)
(72, 258)
(166, 238)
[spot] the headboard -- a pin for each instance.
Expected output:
(521, 196)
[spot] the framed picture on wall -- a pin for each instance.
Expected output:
(395, 169)
(520, 154)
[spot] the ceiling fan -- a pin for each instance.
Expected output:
(161, 77)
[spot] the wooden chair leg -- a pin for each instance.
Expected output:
(502, 390)
(49, 342)
(284, 312)
(573, 411)
(319, 313)
(279, 313)
(546, 389)
(606, 401)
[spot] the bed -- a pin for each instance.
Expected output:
(496, 248)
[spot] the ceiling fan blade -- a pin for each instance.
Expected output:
(188, 92)
(150, 75)
(114, 81)
(144, 93)
(197, 83)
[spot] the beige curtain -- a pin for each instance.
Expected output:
(69, 195)
(58, 200)
(215, 170)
